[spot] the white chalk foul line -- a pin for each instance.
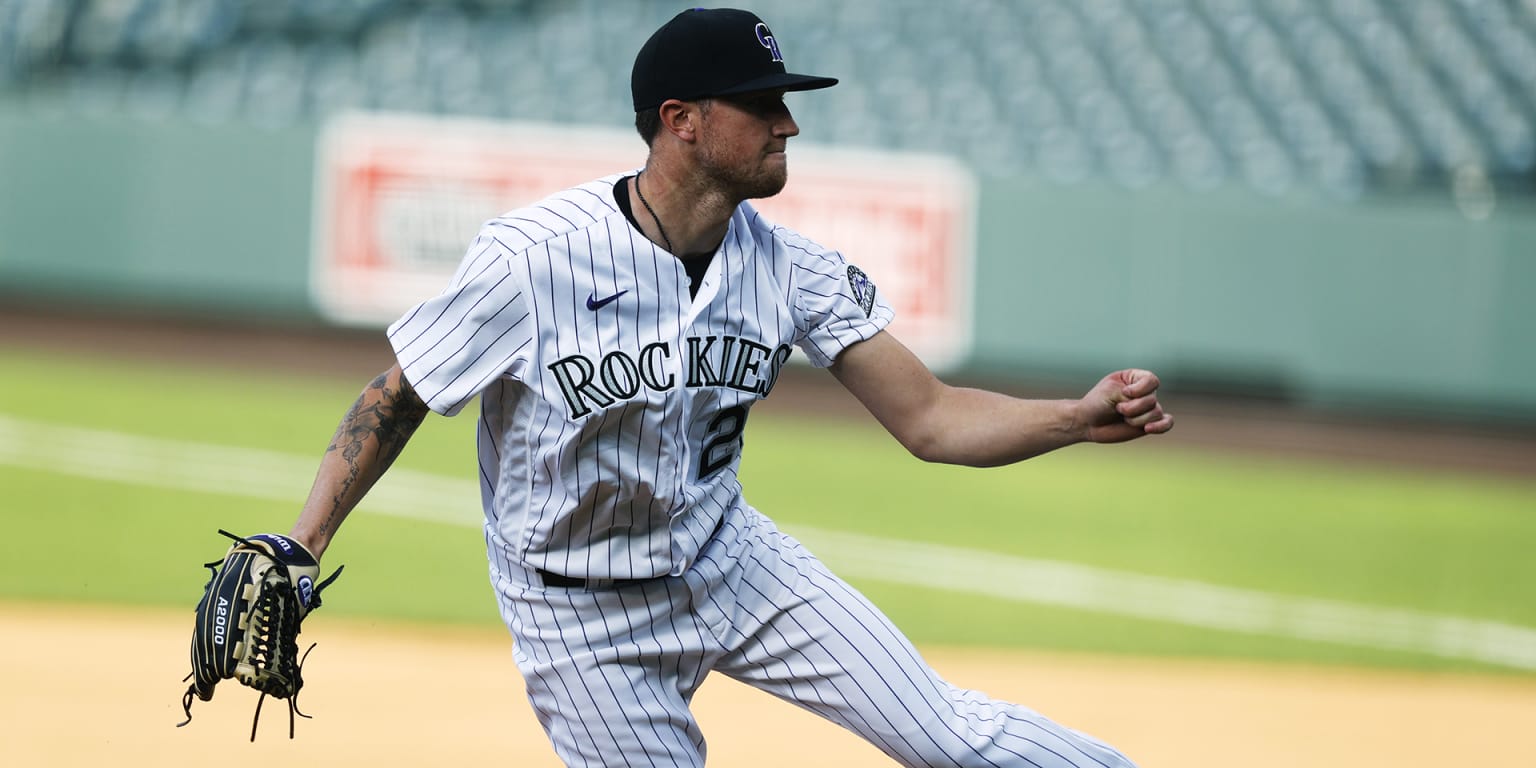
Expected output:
(285, 478)
(219, 469)
(1179, 601)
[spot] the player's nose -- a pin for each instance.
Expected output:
(784, 124)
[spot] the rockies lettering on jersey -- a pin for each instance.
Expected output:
(737, 363)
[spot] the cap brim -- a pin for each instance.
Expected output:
(785, 81)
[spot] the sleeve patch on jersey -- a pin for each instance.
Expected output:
(863, 289)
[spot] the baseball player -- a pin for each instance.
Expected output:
(617, 335)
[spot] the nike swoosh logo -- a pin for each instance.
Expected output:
(594, 303)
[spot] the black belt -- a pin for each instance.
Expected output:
(552, 579)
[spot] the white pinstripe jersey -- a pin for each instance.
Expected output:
(612, 403)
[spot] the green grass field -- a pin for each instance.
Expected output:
(1430, 542)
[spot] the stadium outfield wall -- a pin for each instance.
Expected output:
(1407, 303)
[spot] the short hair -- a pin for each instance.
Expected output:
(648, 124)
(648, 121)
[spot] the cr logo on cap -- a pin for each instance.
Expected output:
(766, 39)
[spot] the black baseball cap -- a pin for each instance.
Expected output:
(707, 52)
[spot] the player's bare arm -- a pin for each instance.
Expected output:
(957, 425)
(371, 435)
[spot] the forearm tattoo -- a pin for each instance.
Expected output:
(386, 415)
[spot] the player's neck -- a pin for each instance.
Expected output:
(692, 217)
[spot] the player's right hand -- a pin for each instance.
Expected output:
(1124, 406)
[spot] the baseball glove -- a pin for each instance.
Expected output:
(248, 621)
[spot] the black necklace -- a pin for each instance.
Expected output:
(652, 211)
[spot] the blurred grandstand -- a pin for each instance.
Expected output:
(1342, 96)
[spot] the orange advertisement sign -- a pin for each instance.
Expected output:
(399, 198)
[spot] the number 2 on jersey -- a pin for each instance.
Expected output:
(721, 449)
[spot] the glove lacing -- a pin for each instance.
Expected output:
(277, 646)
(276, 650)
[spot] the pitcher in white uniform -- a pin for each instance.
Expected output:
(617, 335)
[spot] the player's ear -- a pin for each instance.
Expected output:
(680, 118)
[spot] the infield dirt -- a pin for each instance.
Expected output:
(102, 686)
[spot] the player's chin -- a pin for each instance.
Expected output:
(768, 183)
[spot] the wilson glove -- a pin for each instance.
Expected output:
(248, 621)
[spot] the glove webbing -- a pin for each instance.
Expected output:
(276, 649)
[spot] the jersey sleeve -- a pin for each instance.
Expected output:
(453, 345)
(836, 306)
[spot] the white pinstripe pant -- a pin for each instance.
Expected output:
(611, 672)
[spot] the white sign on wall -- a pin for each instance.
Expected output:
(399, 198)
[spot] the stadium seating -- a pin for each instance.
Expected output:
(1341, 96)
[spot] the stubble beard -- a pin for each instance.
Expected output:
(745, 183)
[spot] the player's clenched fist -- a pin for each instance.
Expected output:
(1123, 406)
